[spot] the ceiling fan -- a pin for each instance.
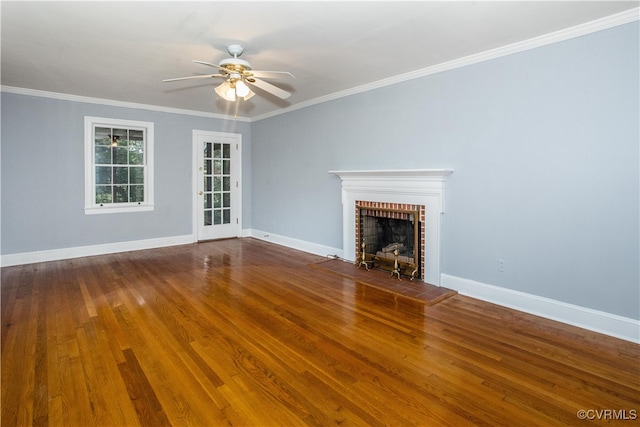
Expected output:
(239, 78)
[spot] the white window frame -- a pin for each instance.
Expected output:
(90, 206)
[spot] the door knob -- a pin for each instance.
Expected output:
(200, 193)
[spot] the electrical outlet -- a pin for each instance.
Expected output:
(501, 265)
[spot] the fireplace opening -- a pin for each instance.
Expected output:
(390, 238)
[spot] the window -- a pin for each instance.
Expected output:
(118, 165)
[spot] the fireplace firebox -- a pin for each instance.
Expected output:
(390, 236)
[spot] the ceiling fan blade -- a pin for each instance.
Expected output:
(271, 74)
(226, 70)
(208, 76)
(268, 87)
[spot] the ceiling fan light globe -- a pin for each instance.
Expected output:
(231, 95)
(242, 90)
(226, 91)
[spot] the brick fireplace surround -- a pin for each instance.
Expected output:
(393, 206)
(417, 187)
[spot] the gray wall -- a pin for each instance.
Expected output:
(42, 197)
(544, 144)
(545, 150)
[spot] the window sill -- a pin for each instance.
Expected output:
(97, 210)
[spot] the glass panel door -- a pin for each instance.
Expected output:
(217, 171)
(217, 183)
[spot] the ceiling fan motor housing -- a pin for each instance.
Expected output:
(235, 63)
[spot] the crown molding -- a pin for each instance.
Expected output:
(611, 21)
(113, 103)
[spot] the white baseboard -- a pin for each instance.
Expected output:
(82, 251)
(292, 243)
(582, 317)
(109, 248)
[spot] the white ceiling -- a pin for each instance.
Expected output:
(123, 50)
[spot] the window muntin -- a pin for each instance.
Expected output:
(217, 183)
(119, 167)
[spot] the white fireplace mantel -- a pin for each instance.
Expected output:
(411, 186)
(396, 173)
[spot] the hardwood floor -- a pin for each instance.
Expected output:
(242, 332)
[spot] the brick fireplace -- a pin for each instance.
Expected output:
(373, 219)
(412, 188)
